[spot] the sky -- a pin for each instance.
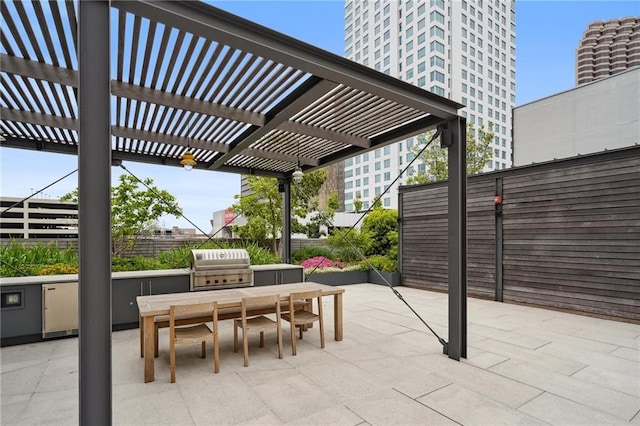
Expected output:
(547, 35)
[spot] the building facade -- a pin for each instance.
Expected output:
(594, 117)
(607, 48)
(463, 50)
(38, 218)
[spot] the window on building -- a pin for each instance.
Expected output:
(436, 16)
(387, 163)
(437, 76)
(437, 90)
(437, 61)
(435, 31)
(436, 46)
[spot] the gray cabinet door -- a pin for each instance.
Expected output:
(166, 285)
(291, 276)
(267, 277)
(124, 308)
(277, 276)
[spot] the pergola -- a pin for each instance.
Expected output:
(146, 81)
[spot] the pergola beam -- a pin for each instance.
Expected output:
(34, 69)
(318, 132)
(310, 91)
(145, 135)
(38, 119)
(270, 155)
(400, 133)
(152, 96)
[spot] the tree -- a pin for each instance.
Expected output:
(357, 205)
(434, 158)
(134, 210)
(263, 206)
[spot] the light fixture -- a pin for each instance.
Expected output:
(187, 158)
(297, 174)
(187, 161)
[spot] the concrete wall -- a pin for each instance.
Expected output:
(594, 117)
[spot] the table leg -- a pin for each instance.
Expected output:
(337, 316)
(149, 349)
(141, 328)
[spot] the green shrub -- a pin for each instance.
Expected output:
(381, 230)
(381, 263)
(58, 269)
(260, 255)
(135, 263)
(19, 259)
(308, 252)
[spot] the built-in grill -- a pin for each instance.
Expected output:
(220, 268)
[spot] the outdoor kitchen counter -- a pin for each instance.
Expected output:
(156, 305)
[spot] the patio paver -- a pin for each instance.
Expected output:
(526, 366)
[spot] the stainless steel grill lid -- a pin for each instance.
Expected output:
(219, 259)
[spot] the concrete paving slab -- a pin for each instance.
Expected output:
(343, 381)
(625, 338)
(580, 391)
(13, 408)
(294, 397)
(157, 408)
(483, 359)
(22, 381)
(223, 400)
(596, 359)
(467, 407)
(51, 408)
(494, 386)
(557, 410)
(533, 357)
(627, 353)
(578, 342)
(389, 407)
(421, 384)
(623, 382)
(528, 342)
(334, 416)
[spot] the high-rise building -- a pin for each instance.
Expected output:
(463, 50)
(608, 47)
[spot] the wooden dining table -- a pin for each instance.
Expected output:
(154, 306)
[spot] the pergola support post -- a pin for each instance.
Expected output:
(94, 213)
(455, 138)
(286, 220)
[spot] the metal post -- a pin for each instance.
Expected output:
(457, 195)
(286, 221)
(400, 233)
(94, 212)
(498, 246)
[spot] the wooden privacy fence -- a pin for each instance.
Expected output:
(567, 234)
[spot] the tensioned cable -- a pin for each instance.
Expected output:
(39, 191)
(443, 342)
(24, 274)
(435, 135)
